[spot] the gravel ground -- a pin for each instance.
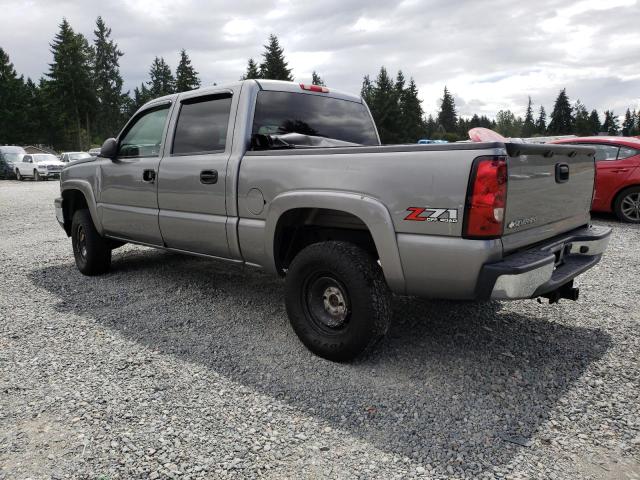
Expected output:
(180, 367)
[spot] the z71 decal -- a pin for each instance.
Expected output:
(444, 215)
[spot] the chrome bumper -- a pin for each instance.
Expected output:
(546, 268)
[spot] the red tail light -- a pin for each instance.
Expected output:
(486, 198)
(314, 88)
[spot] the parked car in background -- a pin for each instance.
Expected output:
(617, 187)
(94, 152)
(9, 155)
(39, 166)
(67, 157)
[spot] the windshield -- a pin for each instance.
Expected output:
(78, 156)
(279, 113)
(11, 157)
(44, 157)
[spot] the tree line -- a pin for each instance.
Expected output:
(80, 100)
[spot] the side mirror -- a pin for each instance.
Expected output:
(109, 148)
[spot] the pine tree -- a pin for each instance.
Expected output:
(412, 126)
(366, 92)
(561, 118)
(594, 122)
(186, 76)
(611, 123)
(636, 123)
(385, 108)
(161, 79)
(447, 116)
(581, 122)
(70, 93)
(12, 89)
(140, 97)
(108, 83)
(252, 71)
(507, 124)
(274, 66)
(628, 124)
(529, 125)
(541, 122)
(316, 79)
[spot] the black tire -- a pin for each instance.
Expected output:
(18, 176)
(91, 251)
(627, 205)
(36, 176)
(337, 300)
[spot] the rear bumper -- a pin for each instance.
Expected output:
(545, 268)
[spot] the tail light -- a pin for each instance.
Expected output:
(486, 198)
(314, 88)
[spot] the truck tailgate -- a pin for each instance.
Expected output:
(549, 191)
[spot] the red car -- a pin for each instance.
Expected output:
(617, 175)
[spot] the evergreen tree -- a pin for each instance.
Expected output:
(541, 122)
(594, 122)
(635, 131)
(366, 92)
(12, 89)
(108, 83)
(140, 97)
(628, 124)
(412, 125)
(186, 76)
(507, 124)
(161, 79)
(69, 91)
(430, 126)
(561, 118)
(611, 124)
(316, 79)
(385, 108)
(447, 116)
(582, 123)
(529, 125)
(252, 71)
(274, 66)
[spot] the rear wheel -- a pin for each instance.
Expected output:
(337, 300)
(627, 205)
(91, 251)
(18, 176)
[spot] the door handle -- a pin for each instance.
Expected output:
(209, 177)
(620, 170)
(149, 176)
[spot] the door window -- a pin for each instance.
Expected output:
(202, 125)
(144, 137)
(606, 152)
(626, 152)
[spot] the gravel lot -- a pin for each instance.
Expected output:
(179, 367)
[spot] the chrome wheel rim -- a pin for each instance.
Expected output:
(630, 206)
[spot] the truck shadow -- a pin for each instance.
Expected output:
(450, 378)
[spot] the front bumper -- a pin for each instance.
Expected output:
(545, 268)
(57, 203)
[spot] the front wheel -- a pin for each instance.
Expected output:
(91, 251)
(18, 176)
(627, 205)
(337, 300)
(36, 176)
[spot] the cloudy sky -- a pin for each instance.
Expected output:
(491, 54)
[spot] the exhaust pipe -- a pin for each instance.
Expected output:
(567, 291)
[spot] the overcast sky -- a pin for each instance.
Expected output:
(491, 54)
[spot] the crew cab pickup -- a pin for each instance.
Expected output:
(292, 178)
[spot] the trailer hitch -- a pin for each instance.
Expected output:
(567, 291)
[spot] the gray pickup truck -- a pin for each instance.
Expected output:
(292, 178)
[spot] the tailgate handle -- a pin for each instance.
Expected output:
(562, 172)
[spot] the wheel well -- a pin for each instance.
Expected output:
(72, 200)
(300, 227)
(618, 193)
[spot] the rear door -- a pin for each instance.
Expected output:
(128, 197)
(25, 166)
(192, 176)
(549, 191)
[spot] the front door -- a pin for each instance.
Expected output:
(192, 177)
(613, 168)
(128, 199)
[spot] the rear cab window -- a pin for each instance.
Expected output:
(280, 113)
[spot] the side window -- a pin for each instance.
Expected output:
(626, 152)
(606, 152)
(27, 159)
(202, 125)
(144, 137)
